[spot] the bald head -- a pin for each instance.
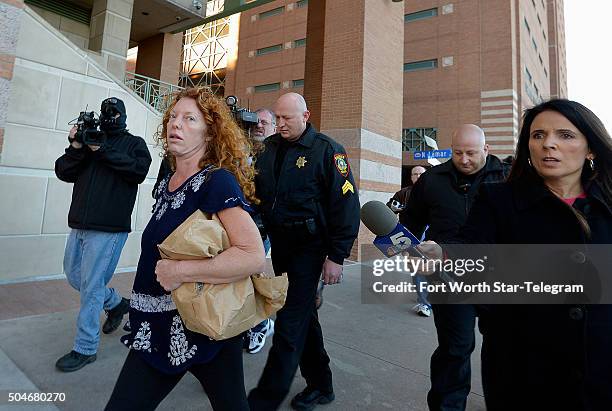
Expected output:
(291, 116)
(415, 173)
(469, 149)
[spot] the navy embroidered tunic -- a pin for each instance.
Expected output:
(158, 333)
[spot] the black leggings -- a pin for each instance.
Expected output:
(142, 387)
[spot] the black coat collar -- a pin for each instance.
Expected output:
(528, 193)
(493, 164)
(306, 139)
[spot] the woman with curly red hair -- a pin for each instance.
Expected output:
(210, 172)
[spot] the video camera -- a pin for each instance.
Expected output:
(92, 131)
(244, 117)
(87, 129)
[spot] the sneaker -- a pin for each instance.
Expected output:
(257, 339)
(115, 315)
(310, 397)
(74, 361)
(422, 310)
(247, 340)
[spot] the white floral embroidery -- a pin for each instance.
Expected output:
(161, 212)
(179, 346)
(178, 199)
(149, 304)
(232, 199)
(238, 199)
(197, 181)
(157, 203)
(162, 185)
(142, 341)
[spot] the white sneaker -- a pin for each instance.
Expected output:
(422, 310)
(257, 339)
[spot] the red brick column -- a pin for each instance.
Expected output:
(10, 20)
(353, 85)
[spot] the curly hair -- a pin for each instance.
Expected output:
(228, 148)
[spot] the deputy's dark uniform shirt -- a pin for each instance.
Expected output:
(314, 185)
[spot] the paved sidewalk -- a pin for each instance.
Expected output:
(380, 353)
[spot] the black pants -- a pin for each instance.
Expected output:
(142, 387)
(450, 363)
(298, 340)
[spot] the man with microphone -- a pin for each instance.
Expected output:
(441, 199)
(310, 209)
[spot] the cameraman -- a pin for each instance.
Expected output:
(106, 167)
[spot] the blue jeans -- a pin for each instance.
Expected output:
(421, 295)
(90, 260)
(266, 244)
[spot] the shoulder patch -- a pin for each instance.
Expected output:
(342, 164)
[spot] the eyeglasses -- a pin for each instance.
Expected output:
(263, 122)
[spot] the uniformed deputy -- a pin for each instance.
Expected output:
(310, 209)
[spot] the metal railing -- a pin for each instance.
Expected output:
(155, 92)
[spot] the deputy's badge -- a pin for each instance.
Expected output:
(301, 162)
(346, 187)
(341, 164)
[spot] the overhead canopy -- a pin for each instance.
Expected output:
(231, 7)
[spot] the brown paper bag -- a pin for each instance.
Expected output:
(219, 311)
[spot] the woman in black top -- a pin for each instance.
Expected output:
(549, 357)
(210, 172)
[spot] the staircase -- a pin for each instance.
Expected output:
(156, 93)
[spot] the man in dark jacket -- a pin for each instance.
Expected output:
(441, 199)
(310, 209)
(398, 202)
(106, 174)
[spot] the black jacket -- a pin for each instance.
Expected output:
(437, 199)
(543, 357)
(401, 197)
(105, 182)
(322, 189)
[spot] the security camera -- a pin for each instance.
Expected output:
(197, 4)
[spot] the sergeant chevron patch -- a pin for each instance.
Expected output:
(347, 186)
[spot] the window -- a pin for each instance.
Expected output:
(541, 61)
(545, 72)
(544, 34)
(539, 21)
(299, 43)
(421, 15)
(527, 26)
(421, 65)
(302, 3)
(537, 92)
(535, 46)
(298, 83)
(413, 139)
(533, 2)
(270, 13)
(262, 88)
(268, 50)
(528, 75)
